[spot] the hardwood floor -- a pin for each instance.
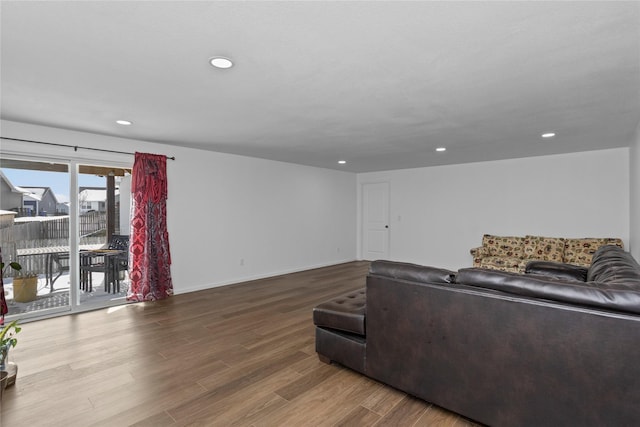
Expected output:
(236, 355)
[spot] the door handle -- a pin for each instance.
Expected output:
(386, 226)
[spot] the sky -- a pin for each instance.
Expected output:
(57, 181)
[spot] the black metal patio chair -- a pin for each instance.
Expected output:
(111, 261)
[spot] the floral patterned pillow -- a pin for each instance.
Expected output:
(507, 246)
(544, 248)
(580, 251)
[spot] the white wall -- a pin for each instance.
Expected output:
(125, 204)
(634, 195)
(439, 213)
(277, 217)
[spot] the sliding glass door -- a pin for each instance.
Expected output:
(67, 224)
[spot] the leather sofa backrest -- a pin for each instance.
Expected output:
(613, 283)
(411, 272)
(611, 264)
(580, 251)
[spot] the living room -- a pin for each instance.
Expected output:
(441, 214)
(237, 218)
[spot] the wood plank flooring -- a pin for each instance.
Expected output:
(240, 355)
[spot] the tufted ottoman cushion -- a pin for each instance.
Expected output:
(344, 313)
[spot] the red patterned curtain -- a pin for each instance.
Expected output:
(149, 269)
(3, 302)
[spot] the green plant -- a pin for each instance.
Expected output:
(14, 265)
(8, 335)
(18, 268)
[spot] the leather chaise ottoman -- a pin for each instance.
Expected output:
(340, 330)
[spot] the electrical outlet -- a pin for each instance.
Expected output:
(241, 261)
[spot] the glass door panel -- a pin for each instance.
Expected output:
(34, 231)
(103, 232)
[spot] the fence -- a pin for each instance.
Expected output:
(58, 227)
(92, 222)
(48, 231)
(36, 263)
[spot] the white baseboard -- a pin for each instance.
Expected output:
(184, 290)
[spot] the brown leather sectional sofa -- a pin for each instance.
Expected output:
(558, 345)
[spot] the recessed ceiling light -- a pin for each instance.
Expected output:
(124, 122)
(441, 149)
(342, 162)
(548, 135)
(221, 62)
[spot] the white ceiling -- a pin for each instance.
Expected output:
(379, 84)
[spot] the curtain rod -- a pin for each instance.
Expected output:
(75, 147)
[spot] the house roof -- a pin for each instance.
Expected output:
(14, 189)
(37, 193)
(32, 196)
(380, 84)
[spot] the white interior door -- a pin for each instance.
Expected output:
(375, 221)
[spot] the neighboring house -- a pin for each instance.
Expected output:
(40, 200)
(10, 195)
(63, 208)
(94, 199)
(30, 203)
(63, 204)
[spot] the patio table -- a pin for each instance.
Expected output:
(51, 253)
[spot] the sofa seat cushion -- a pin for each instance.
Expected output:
(344, 313)
(580, 251)
(621, 296)
(502, 263)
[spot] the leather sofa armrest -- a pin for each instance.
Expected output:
(557, 270)
(412, 272)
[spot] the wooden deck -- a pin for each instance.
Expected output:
(235, 355)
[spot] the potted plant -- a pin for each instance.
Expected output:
(7, 340)
(25, 285)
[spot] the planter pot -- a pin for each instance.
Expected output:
(3, 382)
(25, 289)
(4, 355)
(8, 370)
(8, 376)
